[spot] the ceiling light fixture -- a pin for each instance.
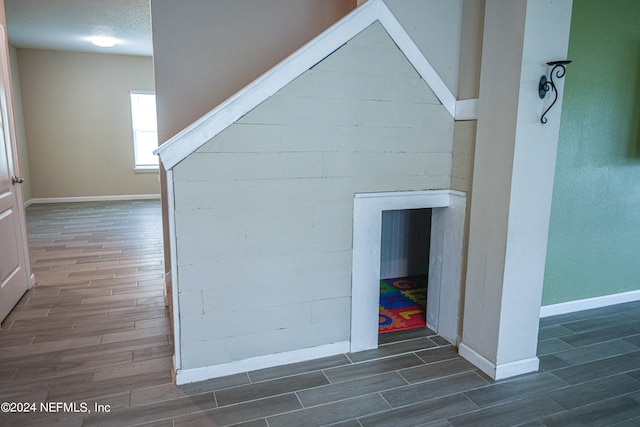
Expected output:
(103, 41)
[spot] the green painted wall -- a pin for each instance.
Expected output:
(594, 236)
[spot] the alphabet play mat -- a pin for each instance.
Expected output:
(402, 303)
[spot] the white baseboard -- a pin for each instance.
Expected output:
(498, 371)
(93, 198)
(519, 367)
(185, 376)
(28, 203)
(588, 303)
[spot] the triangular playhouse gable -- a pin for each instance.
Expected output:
(263, 215)
(193, 137)
(365, 97)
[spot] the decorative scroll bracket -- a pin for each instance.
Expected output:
(545, 85)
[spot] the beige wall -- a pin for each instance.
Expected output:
(471, 49)
(77, 119)
(206, 52)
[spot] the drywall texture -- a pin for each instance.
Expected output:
(206, 52)
(77, 116)
(594, 237)
(264, 211)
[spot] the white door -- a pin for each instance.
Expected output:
(14, 272)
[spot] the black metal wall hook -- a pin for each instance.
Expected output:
(545, 85)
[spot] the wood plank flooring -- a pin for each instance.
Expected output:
(95, 330)
(95, 326)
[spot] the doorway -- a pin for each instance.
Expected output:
(404, 268)
(448, 210)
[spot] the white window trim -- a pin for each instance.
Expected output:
(140, 168)
(146, 169)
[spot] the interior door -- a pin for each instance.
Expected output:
(14, 271)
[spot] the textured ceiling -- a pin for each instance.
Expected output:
(68, 24)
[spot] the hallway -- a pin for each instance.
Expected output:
(94, 328)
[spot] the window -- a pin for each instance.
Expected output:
(145, 130)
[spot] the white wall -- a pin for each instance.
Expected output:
(264, 210)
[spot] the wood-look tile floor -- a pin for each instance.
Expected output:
(94, 327)
(95, 330)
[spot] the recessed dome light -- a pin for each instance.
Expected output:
(103, 41)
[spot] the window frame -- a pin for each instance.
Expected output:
(134, 132)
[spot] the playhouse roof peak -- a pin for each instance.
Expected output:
(215, 121)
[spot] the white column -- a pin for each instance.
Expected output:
(512, 184)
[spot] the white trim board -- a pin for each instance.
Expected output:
(202, 130)
(41, 200)
(185, 376)
(467, 109)
(445, 260)
(175, 295)
(588, 303)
